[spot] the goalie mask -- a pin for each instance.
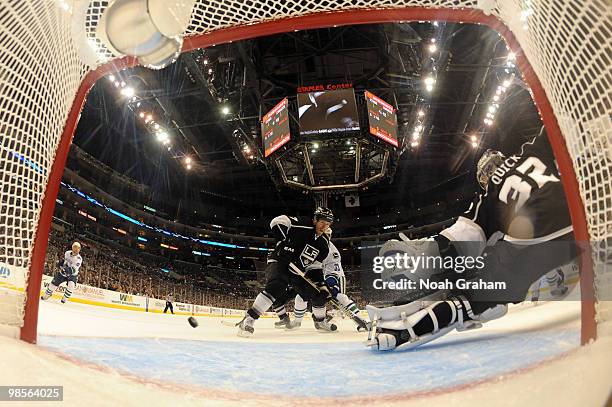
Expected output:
(487, 164)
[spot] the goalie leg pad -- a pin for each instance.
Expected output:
(394, 312)
(492, 313)
(385, 341)
(425, 339)
(424, 325)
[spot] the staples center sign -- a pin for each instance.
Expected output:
(321, 88)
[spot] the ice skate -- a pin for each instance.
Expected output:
(295, 324)
(245, 329)
(324, 326)
(283, 323)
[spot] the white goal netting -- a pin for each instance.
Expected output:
(43, 44)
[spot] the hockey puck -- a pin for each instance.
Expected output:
(333, 327)
(193, 322)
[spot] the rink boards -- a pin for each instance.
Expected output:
(85, 294)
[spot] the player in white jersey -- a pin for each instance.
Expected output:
(520, 226)
(335, 280)
(68, 273)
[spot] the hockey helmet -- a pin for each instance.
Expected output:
(324, 213)
(487, 164)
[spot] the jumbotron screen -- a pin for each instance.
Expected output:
(382, 119)
(275, 128)
(327, 111)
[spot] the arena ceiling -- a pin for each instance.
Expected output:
(248, 78)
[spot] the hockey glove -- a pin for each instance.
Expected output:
(323, 289)
(333, 284)
(63, 270)
(67, 271)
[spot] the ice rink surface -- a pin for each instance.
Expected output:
(166, 348)
(144, 350)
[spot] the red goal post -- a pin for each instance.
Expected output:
(46, 84)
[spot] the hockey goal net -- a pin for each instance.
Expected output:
(563, 49)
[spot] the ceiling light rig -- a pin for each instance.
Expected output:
(419, 126)
(249, 152)
(188, 161)
(128, 92)
(149, 121)
(429, 80)
(497, 98)
(474, 140)
(501, 90)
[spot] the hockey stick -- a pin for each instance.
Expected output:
(295, 270)
(194, 323)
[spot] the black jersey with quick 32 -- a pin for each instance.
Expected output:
(524, 199)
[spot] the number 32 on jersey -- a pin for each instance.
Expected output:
(518, 187)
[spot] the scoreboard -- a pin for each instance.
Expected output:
(382, 119)
(275, 128)
(327, 111)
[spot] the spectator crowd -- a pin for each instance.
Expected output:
(111, 266)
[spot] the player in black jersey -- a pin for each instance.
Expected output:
(523, 197)
(522, 228)
(301, 243)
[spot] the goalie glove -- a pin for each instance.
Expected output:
(410, 259)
